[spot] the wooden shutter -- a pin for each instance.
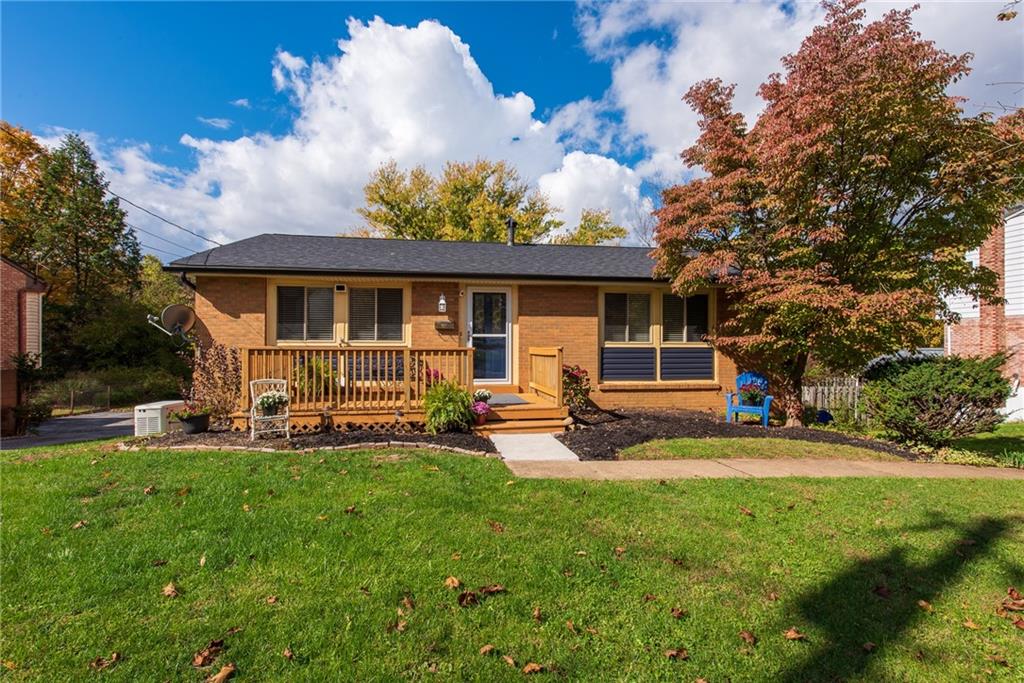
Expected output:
(291, 313)
(389, 315)
(320, 313)
(362, 304)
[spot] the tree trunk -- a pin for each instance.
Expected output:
(792, 393)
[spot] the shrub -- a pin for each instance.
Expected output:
(216, 380)
(575, 387)
(127, 386)
(933, 401)
(448, 407)
(318, 373)
(28, 416)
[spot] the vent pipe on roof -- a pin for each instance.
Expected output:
(511, 224)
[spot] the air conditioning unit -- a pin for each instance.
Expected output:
(152, 418)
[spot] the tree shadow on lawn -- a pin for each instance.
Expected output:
(877, 600)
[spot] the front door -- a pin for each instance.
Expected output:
(489, 328)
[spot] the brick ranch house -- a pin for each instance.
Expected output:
(21, 310)
(984, 328)
(343, 318)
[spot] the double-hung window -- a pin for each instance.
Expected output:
(305, 313)
(627, 317)
(684, 319)
(374, 314)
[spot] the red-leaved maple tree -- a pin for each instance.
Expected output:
(838, 223)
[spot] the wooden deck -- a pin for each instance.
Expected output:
(382, 388)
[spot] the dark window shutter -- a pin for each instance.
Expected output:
(696, 317)
(639, 317)
(672, 308)
(290, 314)
(361, 314)
(320, 313)
(615, 317)
(389, 315)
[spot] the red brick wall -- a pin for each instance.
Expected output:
(13, 283)
(232, 310)
(425, 296)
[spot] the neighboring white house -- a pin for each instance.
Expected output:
(985, 329)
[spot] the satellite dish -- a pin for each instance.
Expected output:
(174, 319)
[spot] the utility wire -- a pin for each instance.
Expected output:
(165, 220)
(164, 251)
(159, 237)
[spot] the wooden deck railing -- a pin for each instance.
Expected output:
(355, 380)
(546, 373)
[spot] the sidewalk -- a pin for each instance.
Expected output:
(625, 470)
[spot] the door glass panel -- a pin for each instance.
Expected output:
(489, 357)
(489, 313)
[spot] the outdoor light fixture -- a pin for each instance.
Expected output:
(442, 305)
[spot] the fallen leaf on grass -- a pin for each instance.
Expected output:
(271, 599)
(496, 527)
(1014, 602)
(288, 654)
(159, 563)
(246, 507)
(747, 511)
(468, 598)
(226, 672)
(97, 664)
(1019, 623)
(487, 649)
(620, 551)
(492, 589)
(170, 590)
(748, 637)
(536, 614)
(452, 583)
(678, 653)
(233, 630)
(351, 510)
(80, 524)
(773, 596)
(571, 626)
(184, 490)
(971, 625)
(532, 668)
(209, 653)
(869, 647)
(149, 490)
(581, 553)
(998, 659)
(794, 634)
(456, 556)
(649, 597)
(9, 665)
(398, 625)
(408, 604)
(926, 606)
(678, 613)
(508, 660)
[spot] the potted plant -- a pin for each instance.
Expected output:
(271, 402)
(480, 410)
(482, 395)
(751, 394)
(194, 418)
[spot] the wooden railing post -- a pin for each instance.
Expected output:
(558, 377)
(407, 374)
(469, 369)
(244, 357)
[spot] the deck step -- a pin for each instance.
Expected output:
(532, 412)
(541, 426)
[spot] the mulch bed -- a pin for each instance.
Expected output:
(221, 438)
(602, 434)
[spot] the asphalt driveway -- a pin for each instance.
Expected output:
(73, 428)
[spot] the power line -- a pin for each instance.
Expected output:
(165, 220)
(159, 237)
(164, 251)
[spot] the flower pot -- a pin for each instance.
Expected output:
(197, 424)
(481, 418)
(271, 411)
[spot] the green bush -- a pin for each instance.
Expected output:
(933, 401)
(318, 374)
(448, 407)
(575, 387)
(128, 387)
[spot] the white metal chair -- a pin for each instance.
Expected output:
(267, 424)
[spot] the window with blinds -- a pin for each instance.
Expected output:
(374, 314)
(305, 313)
(627, 317)
(684, 319)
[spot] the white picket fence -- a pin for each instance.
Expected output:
(830, 394)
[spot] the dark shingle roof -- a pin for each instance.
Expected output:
(274, 253)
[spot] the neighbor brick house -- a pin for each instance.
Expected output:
(494, 315)
(21, 331)
(986, 328)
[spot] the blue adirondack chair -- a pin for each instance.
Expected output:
(736, 408)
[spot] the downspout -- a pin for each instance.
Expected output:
(185, 282)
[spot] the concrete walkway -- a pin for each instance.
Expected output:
(624, 470)
(86, 427)
(532, 448)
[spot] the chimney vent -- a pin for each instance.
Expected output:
(511, 223)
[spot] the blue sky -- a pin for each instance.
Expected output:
(584, 99)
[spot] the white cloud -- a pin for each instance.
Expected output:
(241, 102)
(222, 124)
(413, 94)
(591, 181)
(742, 43)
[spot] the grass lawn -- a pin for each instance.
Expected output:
(344, 540)
(724, 447)
(1005, 443)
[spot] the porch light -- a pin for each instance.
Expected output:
(442, 305)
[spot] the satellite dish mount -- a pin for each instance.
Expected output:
(176, 319)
